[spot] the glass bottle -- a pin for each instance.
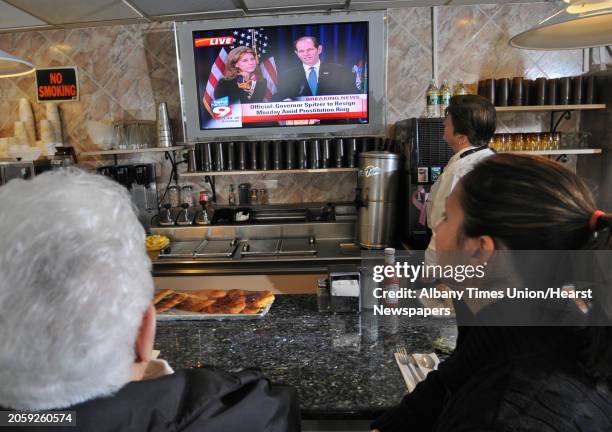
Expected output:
(173, 196)
(433, 107)
(445, 97)
(263, 196)
(231, 198)
(323, 295)
(187, 195)
(202, 215)
(254, 198)
(391, 285)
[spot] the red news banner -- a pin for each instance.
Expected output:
(308, 108)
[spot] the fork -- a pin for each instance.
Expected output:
(402, 356)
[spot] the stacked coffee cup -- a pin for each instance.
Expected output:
(164, 130)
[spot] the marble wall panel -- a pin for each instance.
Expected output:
(417, 21)
(409, 60)
(100, 50)
(459, 26)
(131, 86)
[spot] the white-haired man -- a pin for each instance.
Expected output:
(77, 325)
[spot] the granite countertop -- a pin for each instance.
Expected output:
(342, 365)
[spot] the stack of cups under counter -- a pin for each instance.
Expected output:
(26, 116)
(164, 131)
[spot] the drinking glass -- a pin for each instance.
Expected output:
(517, 142)
(131, 136)
(537, 141)
(506, 142)
(529, 142)
(119, 137)
(497, 143)
(556, 142)
(547, 141)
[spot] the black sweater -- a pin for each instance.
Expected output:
(491, 379)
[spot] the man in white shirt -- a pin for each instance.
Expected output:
(314, 78)
(469, 124)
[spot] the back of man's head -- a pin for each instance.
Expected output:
(474, 117)
(74, 284)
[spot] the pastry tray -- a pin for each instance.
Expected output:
(180, 315)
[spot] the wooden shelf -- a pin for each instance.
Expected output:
(556, 152)
(118, 152)
(255, 172)
(538, 108)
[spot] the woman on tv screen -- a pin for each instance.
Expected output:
(242, 82)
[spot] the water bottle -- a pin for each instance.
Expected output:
(445, 96)
(433, 100)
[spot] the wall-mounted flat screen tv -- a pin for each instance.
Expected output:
(283, 76)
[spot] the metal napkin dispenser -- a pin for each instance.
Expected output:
(344, 288)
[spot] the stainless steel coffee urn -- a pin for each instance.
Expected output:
(377, 189)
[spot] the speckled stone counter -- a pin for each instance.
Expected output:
(342, 365)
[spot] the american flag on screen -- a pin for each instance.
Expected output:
(257, 39)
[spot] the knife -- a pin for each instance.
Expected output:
(416, 368)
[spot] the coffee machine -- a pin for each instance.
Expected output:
(139, 180)
(24, 170)
(421, 142)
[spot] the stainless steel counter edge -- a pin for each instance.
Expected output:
(319, 230)
(249, 268)
(329, 252)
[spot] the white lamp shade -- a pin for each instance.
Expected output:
(566, 31)
(13, 66)
(584, 6)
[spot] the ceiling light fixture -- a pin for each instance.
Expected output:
(586, 6)
(11, 66)
(588, 27)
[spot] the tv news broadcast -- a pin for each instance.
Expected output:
(282, 75)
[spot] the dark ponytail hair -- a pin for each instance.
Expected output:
(532, 203)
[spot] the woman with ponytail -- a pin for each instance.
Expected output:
(522, 365)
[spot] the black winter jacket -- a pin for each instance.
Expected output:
(193, 400)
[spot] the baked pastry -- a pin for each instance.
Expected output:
(227, 305)
(209, 293)
(195, 303)
(259, 299)
(213, 301)
(161, 294)
(235, 293)
(170, 302)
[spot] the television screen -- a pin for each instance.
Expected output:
(312, 74)
(283, 76)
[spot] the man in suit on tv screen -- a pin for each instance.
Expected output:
(313, 77)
